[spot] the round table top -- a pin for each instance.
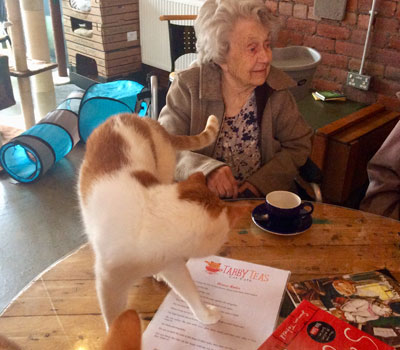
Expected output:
(59, 309)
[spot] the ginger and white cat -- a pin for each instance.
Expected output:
(138, 221)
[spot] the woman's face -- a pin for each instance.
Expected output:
(249, 56)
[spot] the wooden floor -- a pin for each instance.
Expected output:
(59, 310)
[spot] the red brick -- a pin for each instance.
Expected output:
(380, 39)
(349, 49)
(272, 6)
(390, 87)
(339, 61)
(370, 68)
(358, 36)
(387, 8)
(321, 84)
(282, 21)
(288, 37)
(354, 64)
(334, 32)
(394, 42)
(365, 5)
(351, 6)
(363, 21)
(300, 11)
(285, 8)
(302, 25)
(377, 39)
(311, 14)
(392, 73)
(338, 75)
(322, 72)
(306, 2)
(390, 25)
(390, 102)
(350, 19)
(321, 44)
(385, 56)
(367, 97)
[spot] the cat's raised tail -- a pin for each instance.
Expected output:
(195, 142)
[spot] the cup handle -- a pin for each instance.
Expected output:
(304, 205)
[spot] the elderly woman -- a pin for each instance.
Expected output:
(263, 139)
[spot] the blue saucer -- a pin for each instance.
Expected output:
(296, 227)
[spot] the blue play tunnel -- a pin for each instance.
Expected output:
(28, 156)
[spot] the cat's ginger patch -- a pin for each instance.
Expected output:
(196, 190)
(112, 157)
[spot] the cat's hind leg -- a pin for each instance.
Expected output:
(178, 278)
(112, 291)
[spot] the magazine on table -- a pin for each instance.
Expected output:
(248, 296)
(310, 328)
(370, 301)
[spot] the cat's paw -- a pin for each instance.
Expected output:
(210, 315)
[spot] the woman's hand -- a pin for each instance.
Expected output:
(248, 186)
(222, 182)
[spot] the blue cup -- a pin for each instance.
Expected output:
(284, 207)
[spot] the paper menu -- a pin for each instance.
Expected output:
(248, 295)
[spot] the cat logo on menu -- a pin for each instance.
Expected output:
(212, 267)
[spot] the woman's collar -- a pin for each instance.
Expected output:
(210, 82)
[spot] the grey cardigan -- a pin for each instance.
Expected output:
(285, 137)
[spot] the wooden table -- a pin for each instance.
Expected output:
(59, 310)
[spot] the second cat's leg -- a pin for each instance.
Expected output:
(112, 291)
(178, 277)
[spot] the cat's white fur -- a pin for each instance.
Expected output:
(143, 224)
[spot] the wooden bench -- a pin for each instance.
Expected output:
(343, 148)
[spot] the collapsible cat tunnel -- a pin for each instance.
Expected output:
(101, 101)
(28, 156)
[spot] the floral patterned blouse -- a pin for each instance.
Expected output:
(238, 141)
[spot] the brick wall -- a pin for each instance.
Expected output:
(341, 45)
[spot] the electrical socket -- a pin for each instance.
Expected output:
(358, 81)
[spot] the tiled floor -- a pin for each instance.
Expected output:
(40, 221)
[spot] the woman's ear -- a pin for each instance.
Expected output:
(224, 67)
(125, 333)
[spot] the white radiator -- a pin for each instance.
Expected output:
(154, 33)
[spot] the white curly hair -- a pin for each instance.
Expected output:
(216, 21)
